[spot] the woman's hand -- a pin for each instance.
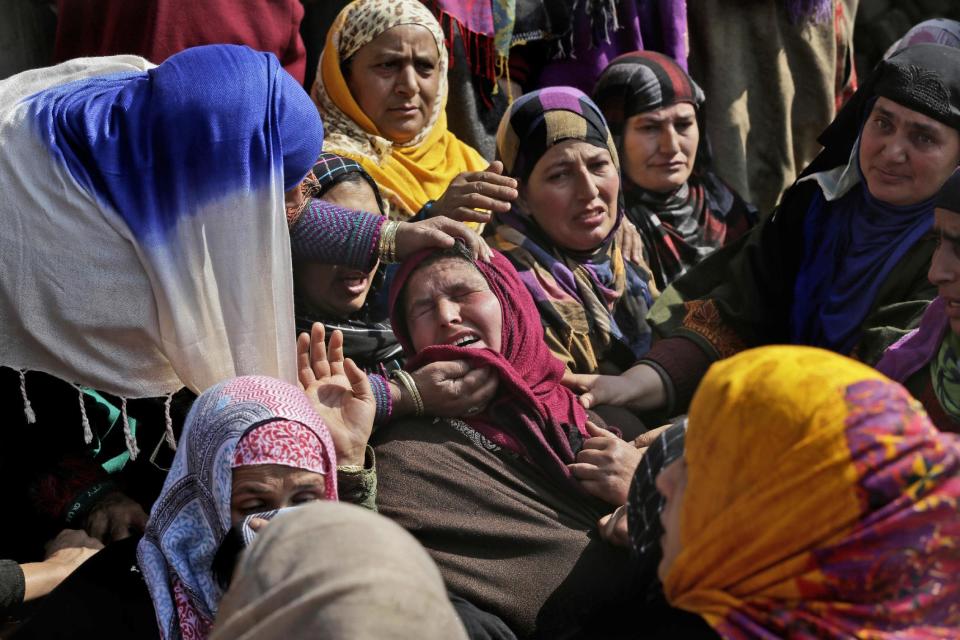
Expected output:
(489, 190)
(438, 233)
(339, 391)
(115, 517)
(605, 465)
(70, 549)
(639, 388)
(613, 528)
(631, 243)
(454, 390)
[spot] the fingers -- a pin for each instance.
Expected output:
(335, 353)
(97, 525)
(358, 380)
(578, 382)
(318, 352)
(258, 523)
(465, 214)
(477, 246)
(492, 175)
(447, 370)
(583, 471)
(587, 400)
(646, 439)
(599, 432)
(305, 374)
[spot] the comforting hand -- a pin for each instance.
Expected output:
(631, 243)
(472, 190)
(613, 528)
(115, 517)
(454, 390)
(339, 391)
(70, 549)
(605, 465)
(639, 388)
(438, 233)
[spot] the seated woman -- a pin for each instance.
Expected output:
(493, 496)
(684, 211)
(925, 360)
(250, 446)
(830, 513)
(382, 91)
(346, 299)
(842, 262)
(561, 233)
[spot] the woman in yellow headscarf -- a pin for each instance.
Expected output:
(381, 89)
(814, 500)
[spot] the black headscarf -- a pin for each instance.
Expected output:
(681, 227)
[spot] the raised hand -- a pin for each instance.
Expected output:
(339, 391)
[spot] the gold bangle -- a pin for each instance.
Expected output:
(387, 248)
(407, 382)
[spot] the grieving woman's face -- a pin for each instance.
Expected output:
(660, 147)
(264, 487)
(336, 291)
(672, 484)
(906, 156)
(450, 302)
(572, 194)
(395, 79)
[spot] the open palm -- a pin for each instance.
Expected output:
(339, 391)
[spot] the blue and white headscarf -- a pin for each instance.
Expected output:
(142, 226)
(191, 517)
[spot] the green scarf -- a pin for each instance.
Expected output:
(945, 375)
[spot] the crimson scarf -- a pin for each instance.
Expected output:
(532, 415)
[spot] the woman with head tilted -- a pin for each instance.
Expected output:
(382, 91)
(561, 233)
(681, 207)
(842, 263)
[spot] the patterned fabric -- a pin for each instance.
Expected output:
(936, 31)
(820, 503)
(681, 227)
(163, 247)
(645, 503)
(486, 28)
(331, 169)
(281, 442)
(322, 228)
(191, 516)
(411, 173)
(594, 304)
(533, 415)
(945, 375)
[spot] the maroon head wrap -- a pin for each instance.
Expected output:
(532, 414)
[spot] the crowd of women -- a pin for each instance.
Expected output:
(278, 363)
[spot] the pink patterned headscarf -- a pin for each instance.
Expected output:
(191, 517)
(282, 442)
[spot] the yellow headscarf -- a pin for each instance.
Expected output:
(820, 502)
(408, 174)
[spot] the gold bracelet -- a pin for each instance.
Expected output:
(387, 247)
(407, 382)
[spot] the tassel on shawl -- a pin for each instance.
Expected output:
(127, 433)
(168, 430)
(87, 431)
(27, 407)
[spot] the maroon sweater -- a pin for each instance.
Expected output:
(156, 29)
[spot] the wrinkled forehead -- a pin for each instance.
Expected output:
(441, 274)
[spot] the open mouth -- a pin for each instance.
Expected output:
(465, 341)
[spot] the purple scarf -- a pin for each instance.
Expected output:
(913, 351)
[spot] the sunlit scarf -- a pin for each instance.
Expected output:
(820, 503)
(191, 517)
(408, 174)
(142, 223)
(592, 302)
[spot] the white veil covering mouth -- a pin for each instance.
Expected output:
(143, 240)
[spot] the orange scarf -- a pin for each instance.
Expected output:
(408, 174)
